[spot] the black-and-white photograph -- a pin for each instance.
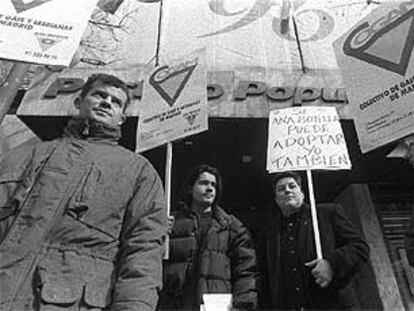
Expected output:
(206, 155)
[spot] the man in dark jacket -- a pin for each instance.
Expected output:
(292, 278)
(82, 220)
(210, 250)
(408, 145)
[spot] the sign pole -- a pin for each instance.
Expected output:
(168, 169)
(314, 216)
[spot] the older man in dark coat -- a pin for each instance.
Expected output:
(293, 279)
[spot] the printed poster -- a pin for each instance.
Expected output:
(376, 60)
(174, 102)
(43, 31)
(306, 138)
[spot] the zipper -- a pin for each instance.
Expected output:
(86, 131)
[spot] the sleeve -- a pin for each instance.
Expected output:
(409, 240)
(139, 265)
(244, 271)
(14, 166)
(351, 251)
(264, 293)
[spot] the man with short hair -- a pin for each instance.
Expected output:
(82, 220)
(293, 279)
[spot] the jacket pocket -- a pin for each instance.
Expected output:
(98, 287)
(97, 295)
(57, 288)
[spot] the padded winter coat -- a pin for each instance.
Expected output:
(82, 222)
(223, 262)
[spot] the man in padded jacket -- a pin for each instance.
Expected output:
(82, 219)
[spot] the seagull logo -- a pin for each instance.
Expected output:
(170, 82)
(21, 5)
(384, 47)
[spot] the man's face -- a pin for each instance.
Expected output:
(103, 103)
(288, 194)
(204, 189)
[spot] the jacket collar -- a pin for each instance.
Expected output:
(222, 218)
(92, 130)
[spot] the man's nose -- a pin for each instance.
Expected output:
(106, 102)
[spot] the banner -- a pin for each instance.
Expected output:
(43, 31)
(53, 93)
(377, 65)
(174, 102)
(306, 138)
(248, 33)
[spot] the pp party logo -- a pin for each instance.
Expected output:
(387, 42)
(169, 82)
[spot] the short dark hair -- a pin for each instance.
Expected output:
(278, 176)
(105, 79)
(187, 196)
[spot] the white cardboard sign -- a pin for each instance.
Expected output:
(174, 102)
(43, 31)
(306, 138)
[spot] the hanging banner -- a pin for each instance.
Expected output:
(53, 93)
(174, 102)
(376, 59)
(43, 31)
(306, 138)
(249, 33)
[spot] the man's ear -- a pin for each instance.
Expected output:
(123, 119)
(77, 102)
(303, 194)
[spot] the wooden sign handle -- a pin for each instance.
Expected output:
(314, 216)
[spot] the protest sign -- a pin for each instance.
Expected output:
(43, 31)
(174, 102)
(377, 64)
(306, 138)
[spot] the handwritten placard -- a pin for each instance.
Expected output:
(306, 138)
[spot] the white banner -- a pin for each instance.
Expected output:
(174, 102)
(306, 138)
(42, 31)
(248, 33)
(376, 60)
